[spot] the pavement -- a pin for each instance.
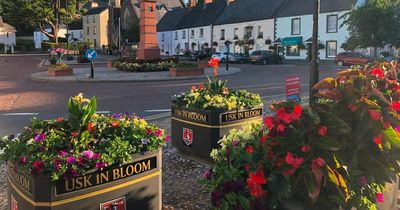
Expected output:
(104, 74)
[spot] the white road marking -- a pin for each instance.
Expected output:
(41, 63)
(158, 116)
(20, 114)
(158, 110)
(103, 112)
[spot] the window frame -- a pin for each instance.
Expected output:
(327, 23)
(201, 32)
(327, 49)
(184, 34)
(222, 34)
(176, 35)
(291, 28)
(235, 33)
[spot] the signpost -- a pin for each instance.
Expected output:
(293, 89)
(91, 55)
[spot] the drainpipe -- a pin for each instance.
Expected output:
(212, 37)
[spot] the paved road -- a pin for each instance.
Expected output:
(21, 98)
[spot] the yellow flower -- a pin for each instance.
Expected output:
(80, 99)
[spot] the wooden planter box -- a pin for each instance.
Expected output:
(198, 131)
(57, 72)
(202, 64)
(185, 72)
(135, 185)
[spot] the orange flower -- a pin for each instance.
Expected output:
(90, 127)
(114, 124)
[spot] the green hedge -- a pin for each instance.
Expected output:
(25, 45)
(71, 46)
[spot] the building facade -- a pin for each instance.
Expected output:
(95, 27)
(7, 36)
(39, 36)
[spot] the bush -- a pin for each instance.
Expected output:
(25, 45)
(336, 154)
(133, 65)
(71, 46)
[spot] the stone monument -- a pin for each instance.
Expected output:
(148, 46)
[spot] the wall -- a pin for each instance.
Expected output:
(267, 28)
(8, 38)
(77, 34)
(165, 44)
(40, 37)
(189, 39)
(283, 29)
(101, 36)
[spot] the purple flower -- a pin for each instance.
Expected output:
(57, 164)
(237, 185)
(88, 154)
(96, 156)
(144, 141)
(100, 165)
(40, 137)
(62, 153)
(71, 160)
(208, 174)
(116, 115)
(216, 198)
(23, 160)
(70, 173)
(159, 133)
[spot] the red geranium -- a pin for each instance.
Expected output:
(263, 139)
(294, 161)
(254, 183)
(378, 72)
(249, 149)
(281, 128)
(352, 107)
(375, 115)
(201, 87)
(317, 163)
(322, 130)
(305, 148)
(395, 106)
(269, 122)
(378, 139)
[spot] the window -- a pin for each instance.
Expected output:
(80, 34)
(259, 32)
(150, 9)
(162, 48)
(162, 37)
(94, 30)
(94, 19)
(176, 35)
(201, 33)
(248, 32)
(293, 50)
(8, 35)
(87, 19)
(183, 34)
(331, 49)
(192, 33)
(331, 23)
(296, 26)
(222, 34)
(87, 30)
(235, 33)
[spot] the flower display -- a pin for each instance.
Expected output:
(337, 153)
(66, 148)
(214, 95)
(143, 66)
(214, 63)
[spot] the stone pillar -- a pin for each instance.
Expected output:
(148, 46)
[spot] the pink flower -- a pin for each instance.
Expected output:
(379, 198)
(397, 128)
(62, 153)
(23, 160)
(305, 148)
(289, 172)
(317, 163)
(57, 164)
(88, 154)
(322, 130)
(40, 137)
(100, 165)
(159, 133)
(37, 167)
(249, 149)
(96, 156)
(149, 131)
(71, 160)
(291, 160)
(281, 128)
(167, 139)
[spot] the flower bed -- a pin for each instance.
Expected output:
(204, 114)
(336, 154)
(143, 66)
(54, 160)
(59, 70)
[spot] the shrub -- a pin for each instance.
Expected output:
(133, 65)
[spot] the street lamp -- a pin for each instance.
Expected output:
(314, 71)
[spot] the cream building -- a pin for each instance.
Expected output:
(7, 36)
(95, 26)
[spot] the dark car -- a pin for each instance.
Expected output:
(352, 58)
(265, 57)
(198, 55)
(241, 58)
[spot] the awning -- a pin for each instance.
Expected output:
(290, 41)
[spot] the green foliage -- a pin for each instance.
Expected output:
(71, 46)
(130, 65)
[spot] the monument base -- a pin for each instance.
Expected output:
(148, 53)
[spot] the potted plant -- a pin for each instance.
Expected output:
(205, 113)
(77, 162)
(53, 60)
(337, 153)
(58, 68)
(185, 70)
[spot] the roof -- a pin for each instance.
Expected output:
(201, 16)
(170, 19)
(306, 7)
(239, 11)
(168, 4)
(47, 26)
(6, 27)
(95, 11)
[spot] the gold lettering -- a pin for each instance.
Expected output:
(79, 183)
(104, 177)
(136, 168)
(146, 166)
(67, 187)
(116, 174)
(240, 115)
(97, 179)
(130, 170)
(86, 181)
(122, 172)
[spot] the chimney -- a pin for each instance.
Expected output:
(192, 3)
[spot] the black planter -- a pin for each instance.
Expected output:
(135, 185)
(198, 131)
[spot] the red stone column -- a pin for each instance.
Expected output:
(148, 46)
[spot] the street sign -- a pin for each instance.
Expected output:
(91, 54)
(293, 89)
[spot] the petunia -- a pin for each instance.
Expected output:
(249, 149)
(375, 115)
(305, 148)
(23, 160)
(208, 174)
(167, 139)
(40, 137)
(62, 153)
(57, 164)
(379, 198)
(269, 122)
(144, 141)
(70, 173)
(88, 154)
(37, 167)
(100, 165)
(96, 156)
(71, 160)
(159, 133)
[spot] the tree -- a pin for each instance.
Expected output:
(373, 25)
(28, 14)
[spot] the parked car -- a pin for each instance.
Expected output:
(222, 57)
(352, 58)
(198, 55)
(265, 57)
(241, 58)
(385, 55)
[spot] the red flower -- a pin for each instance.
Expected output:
(201, 87)
(378, 72)
(317, 163)
(281, 128)
(374, 114)
(249, 149)
(193, 88)
(352, 107)
(379, 198)
(282, 115)
(279, 162)
(74, 134)
(114, 124)
(37, 167)
(322, 130)
(60, 120)
(305, 148)
(395, 106)
(213, 62)
(254, 183)
(296, 112)
(291, 160)
(246, 167)
(289, 172)
(90, 127)
(386, 124)
(378, 139)
(269, 122)
(263, 139)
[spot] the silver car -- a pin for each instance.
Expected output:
(222, 57)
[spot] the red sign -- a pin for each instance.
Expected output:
(117, 204)
(187, 136)
(292, 86)
(14, 203)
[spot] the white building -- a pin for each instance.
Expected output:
(7, 36)
(164, 30)
(75, 31)
(39, 36)
(247, 24)
(294, 28)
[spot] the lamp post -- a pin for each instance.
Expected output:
(227, 47)
(314, 71)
